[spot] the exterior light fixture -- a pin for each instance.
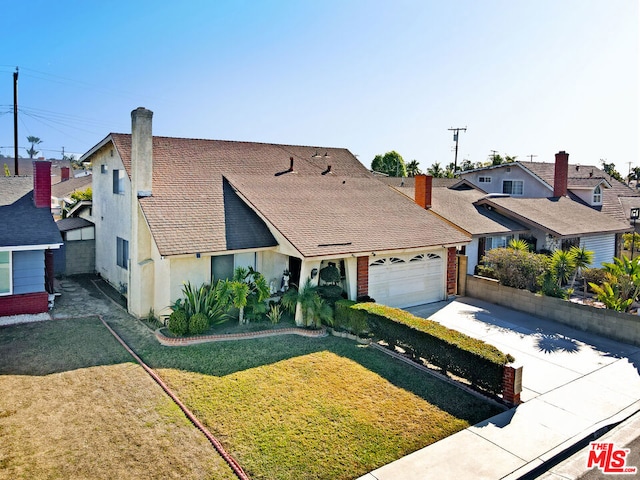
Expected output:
(314, 273)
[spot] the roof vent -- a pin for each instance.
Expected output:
(328, 170)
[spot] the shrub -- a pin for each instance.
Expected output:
(452, 351)
(198, 324)
(330, 274)
(178, 323)
(594, 275)
(275, 313)
(516, 268)
(350, 319)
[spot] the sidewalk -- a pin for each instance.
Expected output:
(574, 384)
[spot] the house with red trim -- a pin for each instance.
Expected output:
(28, 238)
(171, 210)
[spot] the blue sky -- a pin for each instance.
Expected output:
(524, 77)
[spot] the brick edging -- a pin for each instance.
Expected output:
(184, 341)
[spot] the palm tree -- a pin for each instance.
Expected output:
(33, 141)
(436, 170)
(240, 290)
(413, 169)
(562, 265)
(315, 311)
(582, 258)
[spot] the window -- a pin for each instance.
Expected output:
(497, 242)
(512, 187)
(104, 168)
(484, 179)
(597, 195)
(5, 273)
(122, 252)
(118, 182)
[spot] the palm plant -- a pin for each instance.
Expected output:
(313, 309)
(582, 258)
(33, 141)
(247, 289)
(562, 265)
(519, 244)
(413, 169)
(436, 170)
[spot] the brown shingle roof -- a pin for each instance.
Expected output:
(66, 188)
(577, 175)
(318, 213)
(562, 216)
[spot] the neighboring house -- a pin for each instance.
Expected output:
(588, 185)
(172, 210)
(493, 220)
(61, 192)
(28, 238)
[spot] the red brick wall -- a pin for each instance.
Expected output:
(28, 303)
(42, 184)
(561, 173)
(452, 271)
(423, 190)
(363, 276)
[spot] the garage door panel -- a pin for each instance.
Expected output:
(400, 282)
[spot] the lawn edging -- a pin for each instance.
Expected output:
(184, 341)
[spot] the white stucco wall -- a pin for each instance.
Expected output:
(111, 214)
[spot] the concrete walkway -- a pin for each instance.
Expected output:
(574, 384)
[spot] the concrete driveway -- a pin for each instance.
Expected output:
(574, 384)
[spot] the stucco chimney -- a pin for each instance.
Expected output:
(64, 174)
(423, 189)
(141, 152)
(561, 174)
(42, 184)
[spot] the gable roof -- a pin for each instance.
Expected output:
(23, 224)
(562, 217)
(73, 223)
(320, 210)
(66, 188)
(455, 204)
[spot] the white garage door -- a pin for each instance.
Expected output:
(404, 281)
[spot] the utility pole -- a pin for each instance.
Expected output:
(15, 122)
(456, 131)
(531, 157)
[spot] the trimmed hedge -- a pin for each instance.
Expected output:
(350, 319)
(478, 362)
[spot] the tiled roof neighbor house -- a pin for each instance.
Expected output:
(170, 210)
(27, 239)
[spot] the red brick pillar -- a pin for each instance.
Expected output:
(512, 384)
(452, 271)
(42, 184)
(363, 276)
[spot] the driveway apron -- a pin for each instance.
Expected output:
(574, 384)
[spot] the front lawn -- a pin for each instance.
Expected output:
(298, 408)
(73, 405)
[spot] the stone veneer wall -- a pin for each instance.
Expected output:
(618, 326)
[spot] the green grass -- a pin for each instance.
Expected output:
(285, 407)
(294, 408)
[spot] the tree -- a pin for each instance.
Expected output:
(582, 258)
(413, 169)
(610, 169)
(634, 174)
(247, 289)
(391, 163)
(33, 141)
(450, 171)
(315, 311)
(436, 170)
(497, 159)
